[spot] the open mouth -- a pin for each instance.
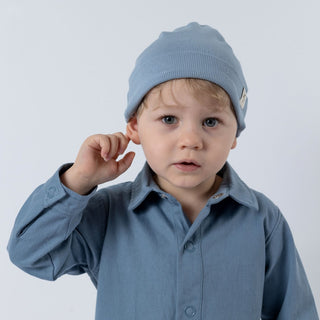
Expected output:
(187, 166)
(188, 163)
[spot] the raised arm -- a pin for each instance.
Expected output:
(60, 228)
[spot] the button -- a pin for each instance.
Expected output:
(163, 196)
(216, 196)
(190, 311)
(189, 246)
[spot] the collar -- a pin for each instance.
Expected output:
(231, 186)
(142, 186)
(235, 188)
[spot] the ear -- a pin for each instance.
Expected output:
(234, 144)
(132, 130)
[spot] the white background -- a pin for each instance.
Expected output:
(64, 67)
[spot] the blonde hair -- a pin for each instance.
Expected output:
(198, 87)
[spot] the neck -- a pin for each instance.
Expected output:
(193, 200)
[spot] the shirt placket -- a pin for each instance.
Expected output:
(189, 262)
(190, 278)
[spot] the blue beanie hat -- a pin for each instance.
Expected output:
(192, 51)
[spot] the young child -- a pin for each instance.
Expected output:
(188, 239)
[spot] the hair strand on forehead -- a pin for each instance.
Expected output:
(198, 88)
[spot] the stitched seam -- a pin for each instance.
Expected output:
(269, 237)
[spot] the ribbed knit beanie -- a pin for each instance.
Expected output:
(192, 51)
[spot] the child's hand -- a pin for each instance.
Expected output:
(97, 163)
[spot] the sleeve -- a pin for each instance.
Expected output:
(58, 231)
(287, 294)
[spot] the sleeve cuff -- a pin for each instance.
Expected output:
(70, 192)
(55, 190)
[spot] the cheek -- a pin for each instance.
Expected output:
(152, 139)
(155, 150)
(152, 149)
(222, 149)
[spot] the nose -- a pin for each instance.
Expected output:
(190, 138)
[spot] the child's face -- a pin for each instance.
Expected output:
(186, 140)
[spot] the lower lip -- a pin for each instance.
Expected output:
(186, 167)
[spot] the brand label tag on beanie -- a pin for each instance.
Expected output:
(243, 98)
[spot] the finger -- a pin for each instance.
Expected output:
(126, 135)
(120, 146)
(105, 145)
(111, 147)
(114, 146)
(125, 162)
(124, 141)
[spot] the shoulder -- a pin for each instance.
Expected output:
(117, 192)
(257, 202)
(245, 195)
(270, 213)
(264, 202)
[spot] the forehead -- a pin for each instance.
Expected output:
(188, 92)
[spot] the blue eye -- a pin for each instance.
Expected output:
(210, 122)
(169, 119)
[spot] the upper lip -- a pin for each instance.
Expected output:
(188, 161)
